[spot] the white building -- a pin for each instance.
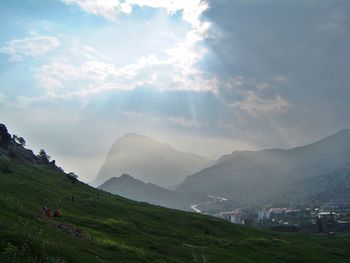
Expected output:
(237, 219)
(263, 215)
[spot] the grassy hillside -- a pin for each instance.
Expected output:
(100, 227)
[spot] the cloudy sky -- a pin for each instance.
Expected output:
(208, 77)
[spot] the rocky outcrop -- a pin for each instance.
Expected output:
(11, 150)
(5, 137)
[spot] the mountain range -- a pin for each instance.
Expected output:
(291, 177)
(149, 161)
(137, 190)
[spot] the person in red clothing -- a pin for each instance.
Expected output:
(57, 212)
(47, 211)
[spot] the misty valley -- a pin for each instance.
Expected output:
(293, 190)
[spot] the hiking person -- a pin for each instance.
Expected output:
(47, 211)
(57, 212)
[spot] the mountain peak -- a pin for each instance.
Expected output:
(343, 132)
(339, 139)
(138, 190)
(148, 160)
(139, 139)
(254, 177)
(134, 135)
(126, 176)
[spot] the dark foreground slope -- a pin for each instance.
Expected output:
(100, 227)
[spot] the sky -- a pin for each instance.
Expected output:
(208, 77)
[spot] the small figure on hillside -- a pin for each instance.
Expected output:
(57, 212)
(47, 211)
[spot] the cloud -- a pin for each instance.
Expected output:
(33, 46)
(62, 77)
(281, 80)
(3, 98)
(184, 122)
(262, 85)
(81, 70)
(191, 10)
(106, 8)
(109, 9)
(256, 105)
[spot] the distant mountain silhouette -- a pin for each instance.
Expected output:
(137, 190)
(149, 161)
(265, 177)
(329, 187)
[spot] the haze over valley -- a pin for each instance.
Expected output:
(306, 176)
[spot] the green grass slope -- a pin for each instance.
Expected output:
(100, 227)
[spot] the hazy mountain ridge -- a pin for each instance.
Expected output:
(252, 177)
(148, 161)
(131, 188)
(315, 191)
